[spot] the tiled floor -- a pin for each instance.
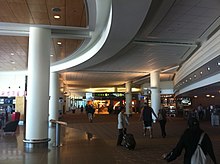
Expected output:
(84, 142)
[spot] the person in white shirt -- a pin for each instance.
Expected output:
(122, 123)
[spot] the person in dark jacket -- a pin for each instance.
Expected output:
(162, 118)
(146, 116)
(189, 141)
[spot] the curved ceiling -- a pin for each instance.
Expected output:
(137, 37)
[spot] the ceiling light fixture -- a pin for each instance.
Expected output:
(59, 43)
(56, 17)
(12, 54)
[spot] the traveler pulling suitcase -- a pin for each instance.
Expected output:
(129, 141)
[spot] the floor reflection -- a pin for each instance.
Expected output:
(75, 144)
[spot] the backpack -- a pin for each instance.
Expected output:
(199, 156)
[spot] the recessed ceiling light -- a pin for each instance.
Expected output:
(51, 55)
(201, 72)
(195, 96)
(12, 62)
(59, 43)
(208, 68)
(207, 95)
(12, 54)
(56, 17)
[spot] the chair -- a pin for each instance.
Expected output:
(11, 127)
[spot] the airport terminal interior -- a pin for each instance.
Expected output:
(59, 57)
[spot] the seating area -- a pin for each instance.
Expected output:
(11, 127)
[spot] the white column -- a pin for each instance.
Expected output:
(54, 96)
(38, 87)
(128, 97)
(155, 91)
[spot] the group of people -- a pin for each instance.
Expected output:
(146, 116)
(188, 141)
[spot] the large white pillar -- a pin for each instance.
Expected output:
(38, 87)
(155, 91)
(128, 97)
(54, 96)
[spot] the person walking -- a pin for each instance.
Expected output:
(90, 112)
(122, 124)
(189, 141)
(146, 116)
(200, 111)
(162, 118)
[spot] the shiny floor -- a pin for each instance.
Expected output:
(94, 143)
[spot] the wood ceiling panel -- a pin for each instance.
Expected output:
(84, 20)
(5, 10)
(75, 12)
(72, 45)
(56, 4)
(40, 12)
(36, 2)
(67, 47)
(17, 46)
(58, 49)
(21, 12)
(41, 21)
(40, 15)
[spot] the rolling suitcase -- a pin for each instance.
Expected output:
(129, 141)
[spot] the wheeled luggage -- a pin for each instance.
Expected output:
(129, 141)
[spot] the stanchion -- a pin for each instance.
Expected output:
(58, 124)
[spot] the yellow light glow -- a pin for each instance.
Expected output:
(56, 17)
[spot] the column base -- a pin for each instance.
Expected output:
(32, 144)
